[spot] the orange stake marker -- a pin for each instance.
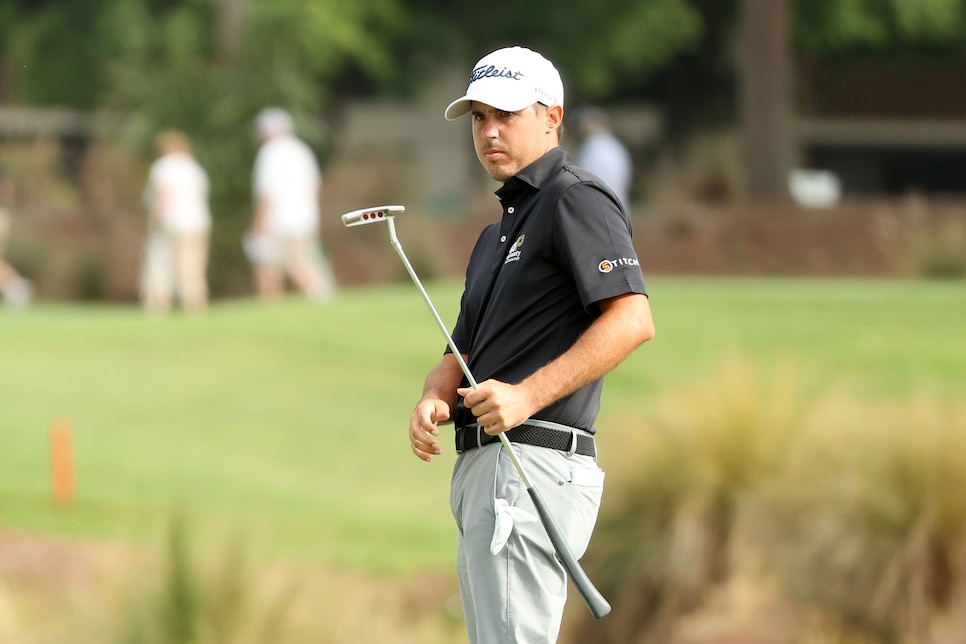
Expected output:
(62, 463)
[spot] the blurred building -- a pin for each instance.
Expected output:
(885, 127)
(880, 124)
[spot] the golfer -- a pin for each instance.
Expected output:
(554, 299)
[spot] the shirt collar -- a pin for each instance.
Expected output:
(536, 174)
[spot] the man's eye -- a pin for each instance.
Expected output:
(507, 115)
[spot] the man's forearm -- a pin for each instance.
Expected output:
(624, 325)
(443, 380)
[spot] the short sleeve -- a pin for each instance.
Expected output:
(594, 238)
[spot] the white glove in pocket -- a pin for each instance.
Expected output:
(587, 477)
(506, 516)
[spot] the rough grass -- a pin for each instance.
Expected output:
(286, 423)
(291, 419)
(288, 419)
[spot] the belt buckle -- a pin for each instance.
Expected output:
(461, 437)
(573, 443)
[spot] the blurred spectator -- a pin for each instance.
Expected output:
(284, 237)
(179, 226)
(16, 290)
(602, 153)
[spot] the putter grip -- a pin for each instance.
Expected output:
(595, 601)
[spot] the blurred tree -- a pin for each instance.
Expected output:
(57, 52)
(230, 28)
(54, 52)
(596, 51)
(765, 105)
(208, 66)
(207, 69)
(835, 27)
(708, 68)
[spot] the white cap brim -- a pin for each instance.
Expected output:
(457, 108)
(462, 105)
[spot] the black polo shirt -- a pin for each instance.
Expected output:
(534, 279)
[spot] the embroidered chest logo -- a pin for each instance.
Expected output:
(514, 254)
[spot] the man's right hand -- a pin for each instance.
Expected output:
(424, 430)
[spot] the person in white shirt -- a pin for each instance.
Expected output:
(603, 154)
(15, 290)
(179, 226)
(284, 236)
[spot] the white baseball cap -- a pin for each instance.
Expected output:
(510, 79)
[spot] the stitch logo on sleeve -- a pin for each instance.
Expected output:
(608, 265)
(514, 254)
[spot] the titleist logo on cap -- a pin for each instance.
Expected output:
(490, 71)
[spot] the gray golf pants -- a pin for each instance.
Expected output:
(517, 596)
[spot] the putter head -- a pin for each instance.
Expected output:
(370, 215)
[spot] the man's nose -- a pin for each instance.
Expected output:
(490, 128)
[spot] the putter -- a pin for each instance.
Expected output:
(595, 600)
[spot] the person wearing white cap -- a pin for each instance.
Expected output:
(554, 299)
(284, 236)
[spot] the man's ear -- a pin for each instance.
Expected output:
(554, 116)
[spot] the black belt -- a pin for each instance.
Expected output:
(472, 436)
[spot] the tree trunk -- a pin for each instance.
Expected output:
(764, 96)
(5, 78)
(231, 16)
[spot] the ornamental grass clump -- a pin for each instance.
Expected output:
(665, 535)
(927, 240)
(200, 594)
(868, 524)
(203, 588)
(938, 252)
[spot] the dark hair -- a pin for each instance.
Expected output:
(540, 108)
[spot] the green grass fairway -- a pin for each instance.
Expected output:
(289, 421)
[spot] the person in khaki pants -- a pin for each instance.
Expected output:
(179, 226)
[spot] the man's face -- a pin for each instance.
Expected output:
(507, 142)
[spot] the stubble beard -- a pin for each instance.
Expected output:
(500, 170)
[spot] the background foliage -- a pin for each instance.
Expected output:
(162, 63)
